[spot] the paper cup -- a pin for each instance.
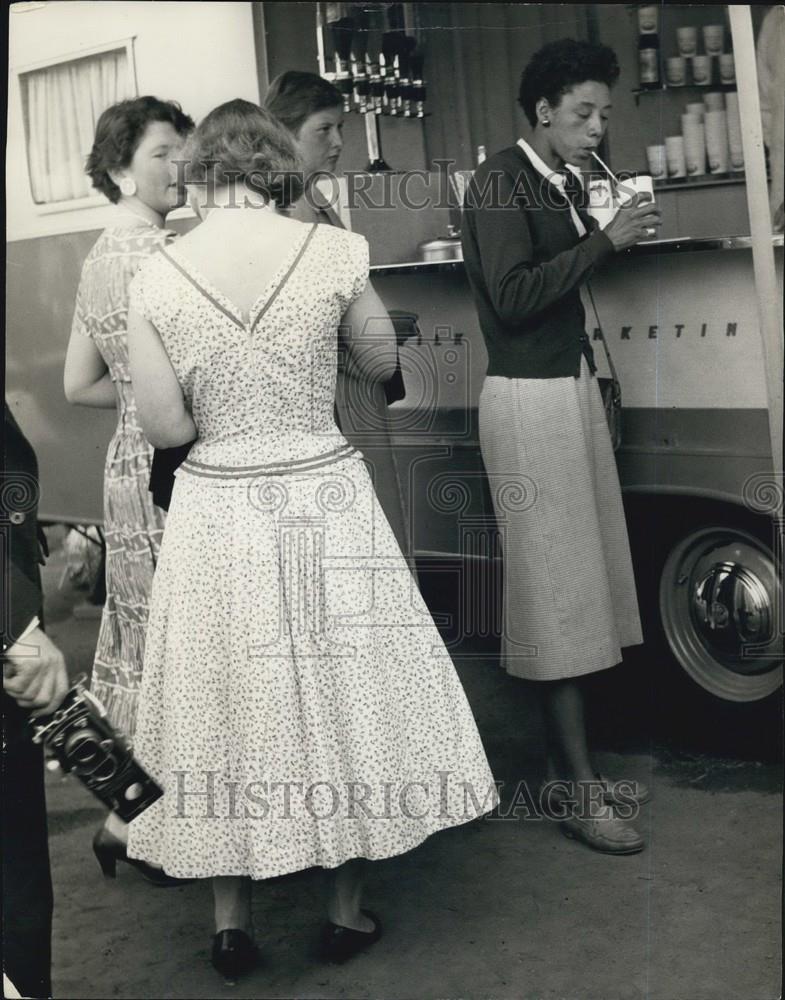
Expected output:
(602, 205)
(696, 108)
(714, 101)
(648, 19)
(701, 71)
(727, 68)
(736, 157)
(687, 40)
(716, 126)
(735, 145)
(732, 102)
(674, 155)
(713, 39)
(676, 71)
(657, 162)
(694, 145)
(640, 184)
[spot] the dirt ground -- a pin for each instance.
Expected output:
(502, 908)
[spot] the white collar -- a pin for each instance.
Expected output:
(557, 179)
(554, 176)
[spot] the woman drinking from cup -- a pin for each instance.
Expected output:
(570, 603)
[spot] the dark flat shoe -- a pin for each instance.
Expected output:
(109, 850)
(339, 944)
(234, 954)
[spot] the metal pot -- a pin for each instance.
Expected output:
(442, 248)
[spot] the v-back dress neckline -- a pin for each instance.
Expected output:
(261, 302)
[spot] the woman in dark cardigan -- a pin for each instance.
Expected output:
(570, 604)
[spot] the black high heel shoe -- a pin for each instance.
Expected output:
(109, 850)
(339, 944)
(234, 954)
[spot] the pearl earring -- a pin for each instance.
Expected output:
(128, 187)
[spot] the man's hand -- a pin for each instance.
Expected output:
(34, 673)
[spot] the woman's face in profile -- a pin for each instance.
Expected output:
(579, 121)
(153, 170)
(320, 140)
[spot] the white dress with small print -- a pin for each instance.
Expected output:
(298, 705)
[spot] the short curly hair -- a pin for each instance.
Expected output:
(294, 96)
(118, 133)
(559, 66)
(240, 142)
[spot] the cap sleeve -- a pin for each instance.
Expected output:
(357, 264)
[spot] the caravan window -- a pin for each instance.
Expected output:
(61, 104)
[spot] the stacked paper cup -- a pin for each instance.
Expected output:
(716, 129)
(656, 155)
(674, 154)
(734, 132)
(694, 145)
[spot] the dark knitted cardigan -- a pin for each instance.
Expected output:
(525, 263)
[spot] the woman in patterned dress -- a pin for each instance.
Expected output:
(131, 162)
(298, 705)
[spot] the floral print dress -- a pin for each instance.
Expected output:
(298, 706)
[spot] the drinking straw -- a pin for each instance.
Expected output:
(606, 168)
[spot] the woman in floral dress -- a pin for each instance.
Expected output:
(131, 162)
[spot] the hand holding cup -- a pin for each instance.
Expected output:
(636, 220)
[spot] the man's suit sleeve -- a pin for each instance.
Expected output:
(21, 597)
(23, 601)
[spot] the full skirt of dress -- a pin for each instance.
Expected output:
(299, 707)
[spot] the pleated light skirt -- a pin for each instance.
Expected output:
(569, 590)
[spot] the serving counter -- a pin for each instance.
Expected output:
(680, 319)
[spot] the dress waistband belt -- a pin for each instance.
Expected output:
(282, 468)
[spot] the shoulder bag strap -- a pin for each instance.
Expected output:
(611, 365)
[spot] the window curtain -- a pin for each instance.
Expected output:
(61, 105)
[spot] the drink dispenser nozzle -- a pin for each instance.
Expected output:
(341, 32)
(408, 45)
(387, 65)
(360, 83)
(417, 63)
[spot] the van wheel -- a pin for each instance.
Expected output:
(720, 599)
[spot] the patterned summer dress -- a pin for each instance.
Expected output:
(133, 526)
(298, 704)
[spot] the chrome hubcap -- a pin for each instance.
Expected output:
(719, 593)
(731, 607)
